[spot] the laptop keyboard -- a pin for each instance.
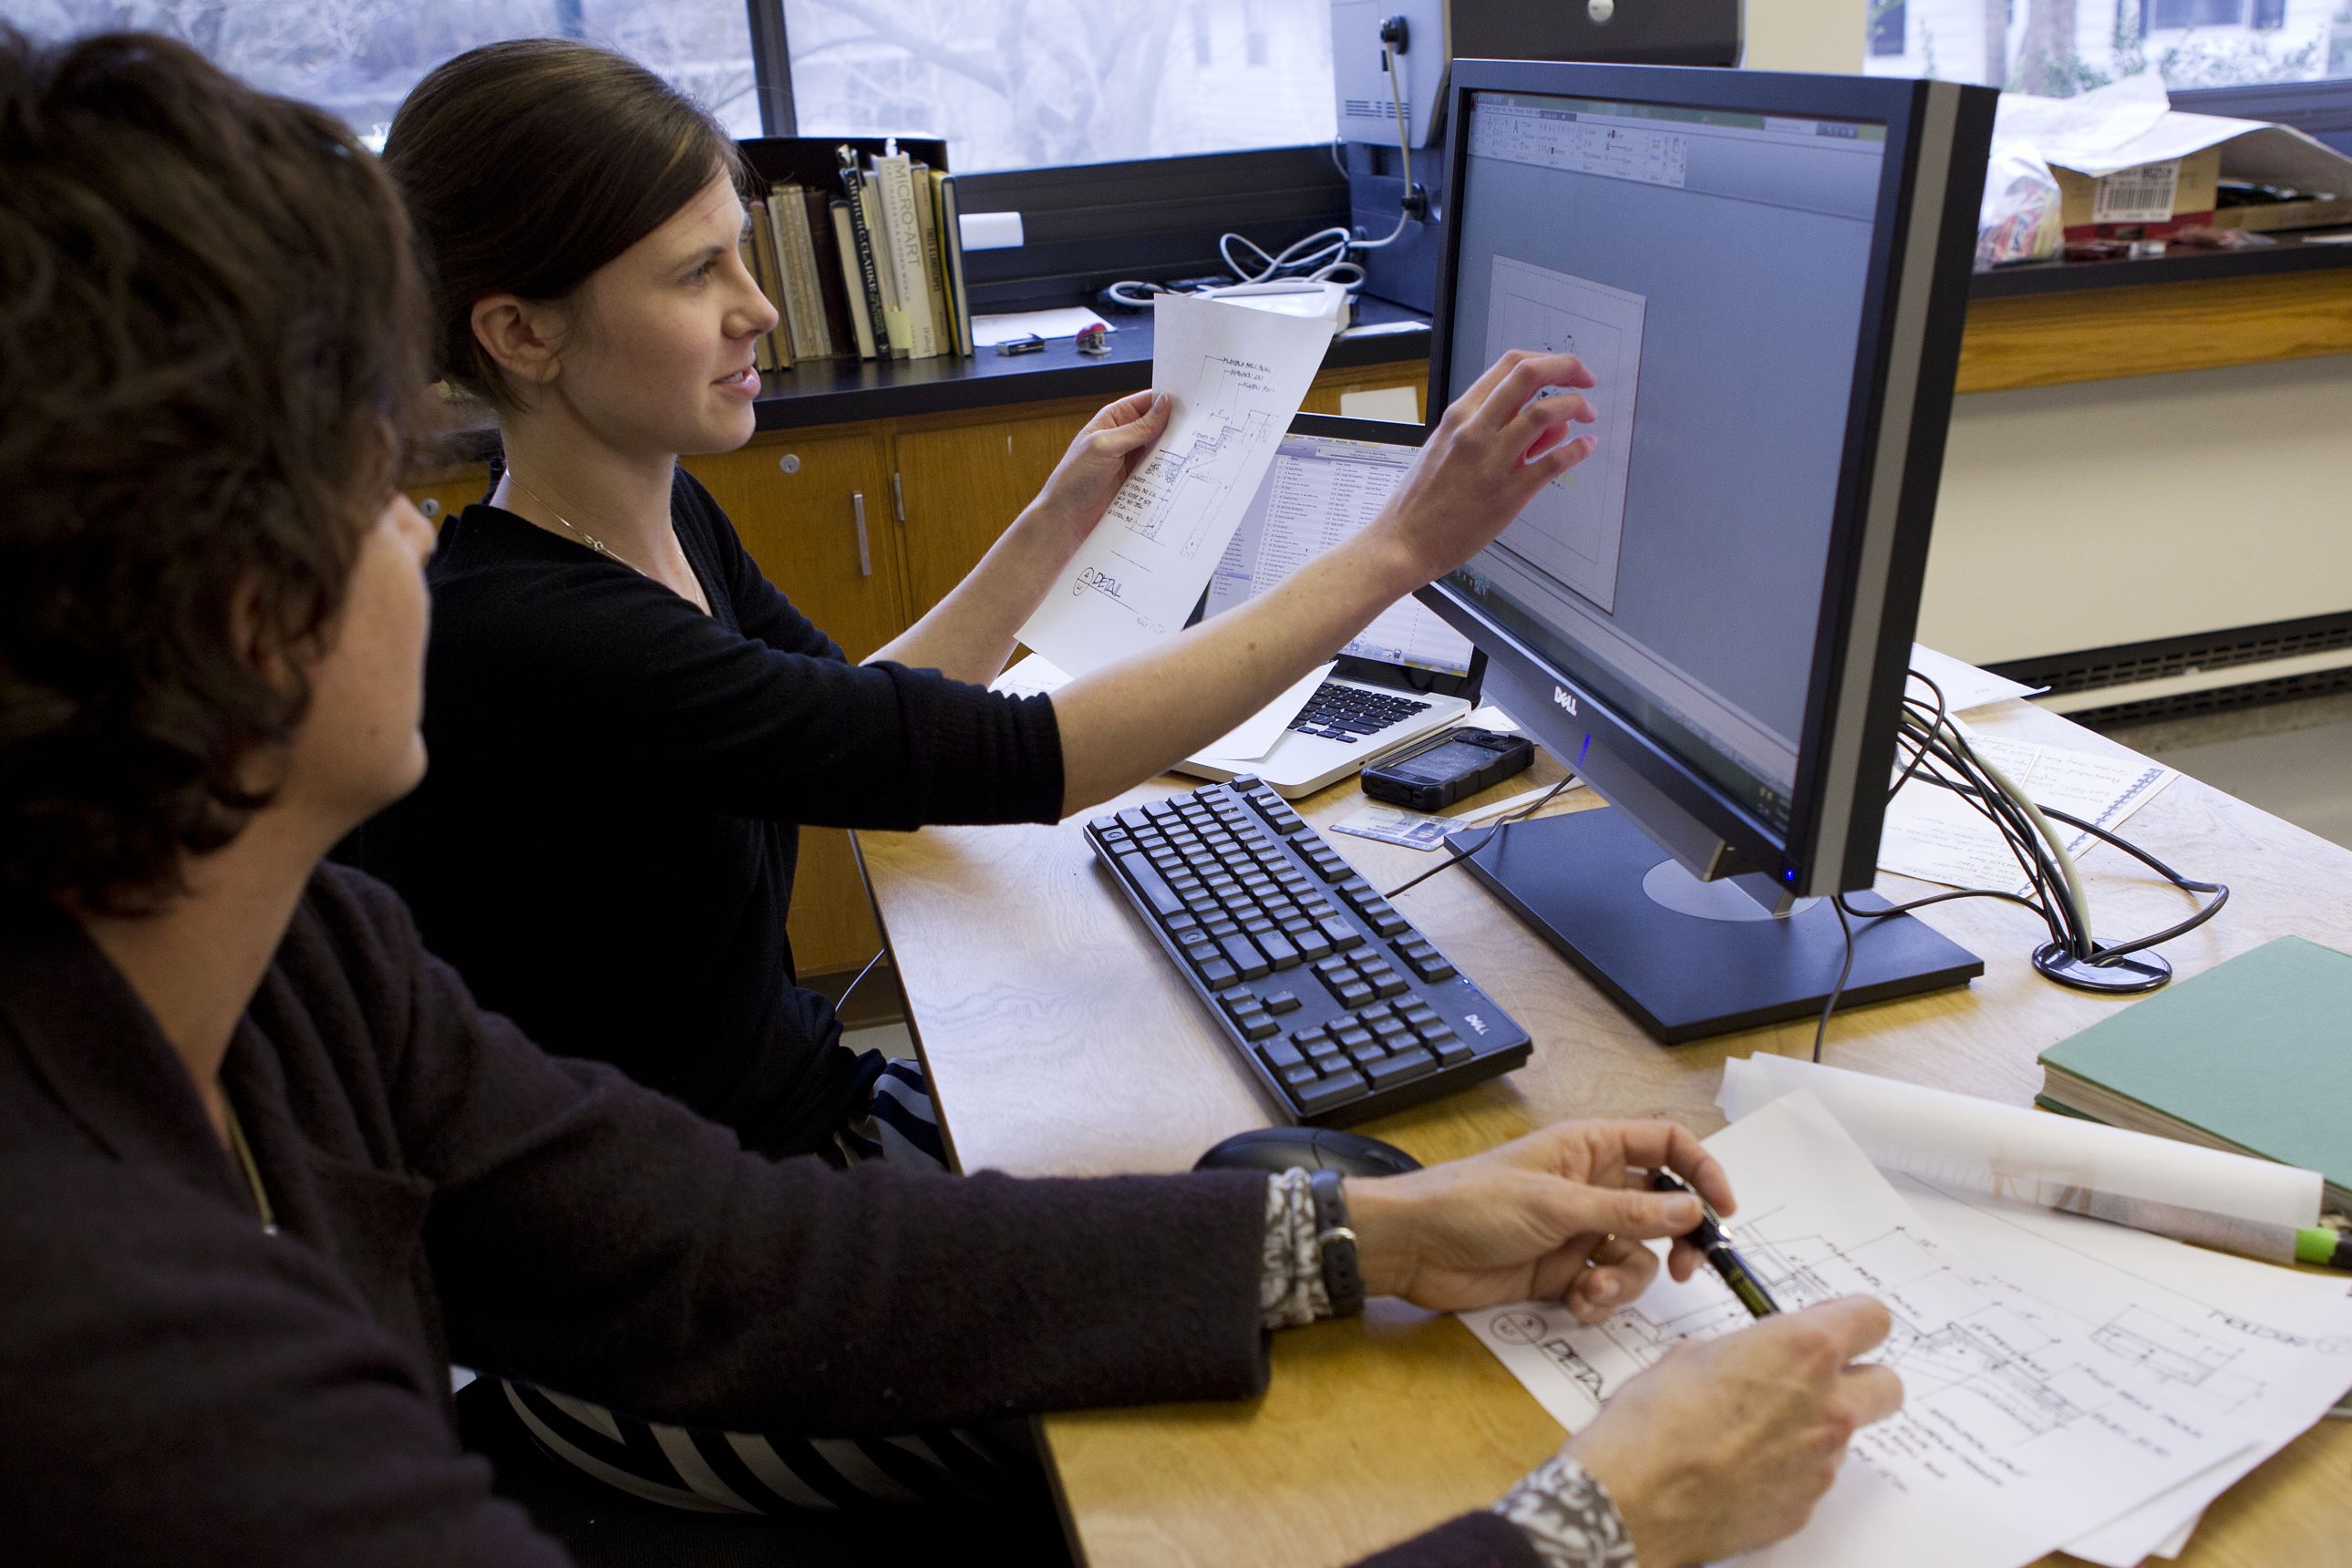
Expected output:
(1348, 713)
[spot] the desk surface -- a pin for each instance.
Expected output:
(1059, 1041)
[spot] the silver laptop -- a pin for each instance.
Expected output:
(1405, 675)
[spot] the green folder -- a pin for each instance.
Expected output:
(2252, 1056)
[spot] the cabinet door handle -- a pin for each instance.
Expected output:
(857, 510)
(898, 500)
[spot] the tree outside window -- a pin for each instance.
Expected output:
(358, 58)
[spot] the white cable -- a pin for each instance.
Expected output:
(2076, 899)
(1321, 257)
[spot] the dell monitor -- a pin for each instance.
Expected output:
(1711, 618)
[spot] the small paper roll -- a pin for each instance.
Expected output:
(2204, 1195)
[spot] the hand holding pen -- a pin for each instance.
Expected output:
(1721, 1256)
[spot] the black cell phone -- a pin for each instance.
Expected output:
(1445, 768)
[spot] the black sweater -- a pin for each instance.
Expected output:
(604, 841)
(179, 1387)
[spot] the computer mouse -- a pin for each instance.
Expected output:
(1308, 1148)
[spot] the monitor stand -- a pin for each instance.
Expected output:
(1689, 959)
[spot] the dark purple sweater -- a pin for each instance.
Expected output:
(177, 1386)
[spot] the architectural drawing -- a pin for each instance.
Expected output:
(1234, 378)
(1571, 531)
(2033, 1412)
(1178, 495)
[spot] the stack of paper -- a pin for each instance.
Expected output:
(2068, 1384)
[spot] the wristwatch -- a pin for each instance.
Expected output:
(1343, 1281)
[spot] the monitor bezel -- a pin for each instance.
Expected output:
(1881, 518)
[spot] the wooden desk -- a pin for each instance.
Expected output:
(1059, 1041)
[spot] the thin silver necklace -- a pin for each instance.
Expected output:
(582, 534)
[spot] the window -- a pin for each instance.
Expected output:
(2060, 48)
(1026, 84)
(359, 57)
(1886, 26)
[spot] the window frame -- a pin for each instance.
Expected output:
(1090, 225)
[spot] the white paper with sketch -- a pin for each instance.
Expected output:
(1937, 836)
(1238, 377)
(2266, 1344)
(2017, 1435)
(2019, 1155)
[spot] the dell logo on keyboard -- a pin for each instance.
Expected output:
(1475, 1021)
(1559, 695)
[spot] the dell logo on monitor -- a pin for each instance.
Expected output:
(1559, 695)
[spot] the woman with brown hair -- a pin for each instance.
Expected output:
(629, 723)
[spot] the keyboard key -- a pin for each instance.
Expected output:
(1133, 819)
(1299, 1077)
(1343, 936)
(1201, 952)
(1257, 1026)
(1434, 967)
(1149, 883)
(1350, 1038)
(1381, 917)
(1391, 984)
(1278, 948)
(1282, 1002)
(1243, 955)
(1326, 1093)
(1281, 1054)
(1103, 823)
(1310, 942)
(1217, 972)
(1237, 999)
(1355, 994)
(1404, 1066)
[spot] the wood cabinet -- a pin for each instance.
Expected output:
(961, 485)
(932, 494)
(814, 509)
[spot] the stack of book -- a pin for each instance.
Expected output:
(864, 258)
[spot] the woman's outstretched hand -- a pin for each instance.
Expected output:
(1498, 445)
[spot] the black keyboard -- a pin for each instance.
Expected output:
(1339, 1006)
(1348, 713)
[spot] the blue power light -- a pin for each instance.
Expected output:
(1789, 875)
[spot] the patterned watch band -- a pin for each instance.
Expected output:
(1568, 1517)
(1290, 1286)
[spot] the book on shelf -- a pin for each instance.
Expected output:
(2252, 1056)
(898, 240)
(865, 257)
(864, 214)
(845, 254)
(796, 257)
(951, 226)
(765, 270)
(763, 357)
(833, 298)
(935, 273)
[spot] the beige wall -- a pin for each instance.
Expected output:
(1801, 35)
(2115, 512)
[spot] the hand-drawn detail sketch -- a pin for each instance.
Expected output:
(1175, 499)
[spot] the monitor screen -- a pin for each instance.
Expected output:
(1710, 268)
(1320, 491)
